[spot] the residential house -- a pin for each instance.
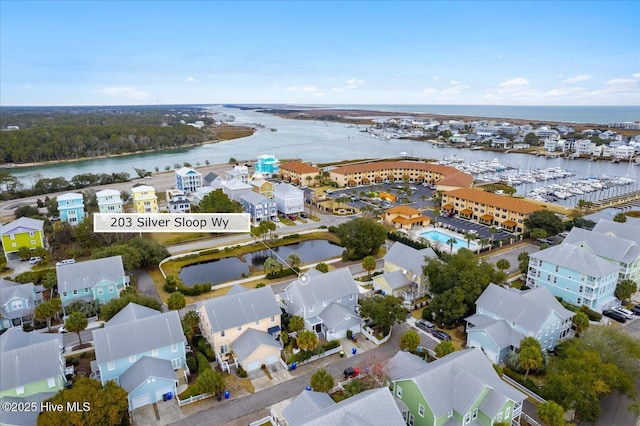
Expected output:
(235, 189)
(261, 186)
(143, 350)
(488, 208)
(177, 201)
(212, 180)
(288, 198)
(576, 275)
(109, 201)
(32, 365)
(327, 302)
(299, 173)
(22, 232)
(617, 249)
(459, 389)
(371, 407)
(145, 199)
(242, 327)
(401, 364)
(71, 208)
(240, 173)
(405, 217)
(506, 316)
(268, 165)
(445, 177)
(188, 179)
(203, 192)
(259, 207)
(17, 302)
(402, 274)
(98, 279)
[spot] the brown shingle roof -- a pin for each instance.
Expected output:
(407, 220)
(406, 210)
(298, 167)
(517, 205)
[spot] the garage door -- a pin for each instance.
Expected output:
(140, 401)
(271, 359)
(162, 391)
(253, 365)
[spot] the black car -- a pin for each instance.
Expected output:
(441, 335)
(636, 309)
(615, 315)
(425, 326)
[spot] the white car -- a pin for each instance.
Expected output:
(62, 329)
(66, 262)
(35, 260)
(624, 311)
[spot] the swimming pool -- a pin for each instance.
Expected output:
(440, 237)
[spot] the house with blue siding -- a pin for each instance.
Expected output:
(71, 208)
(628, 252)
(188, 179)
(98, 279)
(143, 350)
(506, 316)
(459, 389)
(258, 206)
(17, 302)
(268, 165)
(576, 275)
(109, 201)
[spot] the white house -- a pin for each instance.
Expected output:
(288, 198)
(188, 179)
(109, 201)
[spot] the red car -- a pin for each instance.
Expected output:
(351, 372)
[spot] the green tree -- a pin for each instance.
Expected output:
(551, 414)
(176, 301)
(625, 289)
(129, 295)
(444, 348)
(539, 233)
(307, 340)
(531, 139)
(354, 387)
(27, 211)
(218, 202)
(545, 219)
(322, 267)
(271, 266)
(210, 382)
(24, 253)
(151, 252)
(106, 405)
(296, 323)
(447, 308)
(523, 262)
(409, 340)
(369, 264)
(361, 237)
(580, 322)
(76, 322)
(131, 257)
(322, 381)
(190, 324)
(294, 260)
(451, 241)
(47, 310)
(503, 264)
(620, 217)
(385, 311)
(530, 354)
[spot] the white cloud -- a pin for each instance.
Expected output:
(620, 81)
(190, 80)
(454, 88)
(577, 79)
(318, 94)
(337, 89)
(430, 91)
(354, 83)
(515, 82)
(621, 85)
(124, 92)
(303, 89)
(637, 75)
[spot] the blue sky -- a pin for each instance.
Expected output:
(323, 52)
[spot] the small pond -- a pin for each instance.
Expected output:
(231, 268)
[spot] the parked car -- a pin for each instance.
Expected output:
(441, 335)
(34, 260)
(615, 315)
(66, 262)
(276, 219)
(425, 325)
(351, 372)
(472, 232)
(292, 217)
(545, 241)
(303, 215)
(62, 330)
(624, 311)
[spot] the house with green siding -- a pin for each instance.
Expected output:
(22, 232)
(459, 389)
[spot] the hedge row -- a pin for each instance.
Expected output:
(203, 363)
(529, 384)
(173, 284)
(396, 236)
(305, 355)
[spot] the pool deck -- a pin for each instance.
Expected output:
(416, 234)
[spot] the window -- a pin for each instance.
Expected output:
(556, 268)
(16, 304)
(132, 359)
(224, 349)
(467, 419)
(239, 327)
(33, 241)
(421, 410)
(578, 301)
(399, 391)
(111, 366)
(154, 352)
(222, 333)
(310, 308)
(499, 417)
(19, 390)
(450, 414)
(351, 296)
(12, 236)
(31, 233)
(507, 412)
(51, 382)
(475, 414)
(174, 347)
(75, 292)
(100, 291)
(64, 294)
(411, 419)
(257, 322)
(273, 318)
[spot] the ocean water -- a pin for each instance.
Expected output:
(568, 114)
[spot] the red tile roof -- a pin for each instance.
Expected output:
(298, 167)
(517, 205)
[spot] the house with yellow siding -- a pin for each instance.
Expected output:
(145, 199)
(262, 187)
(488, 208)
(405, 217)
(298, 173)
(22, 232)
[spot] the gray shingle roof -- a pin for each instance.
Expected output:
(124, 339)
(10, 290)
(369, 408)
(576, 259)
(325, 287)
(250, 340)
(254, 198)
(500, 333)
(236, 289)
(409, 258)
(25, 223)
(283, 188)
(145, 368)
(337, 316)
(210, 177)
(629, 231)
(604, 245)
(242, 308)
(129, 313)
(235, 184)
(87, 274)
(402, 364)
(396, 279)
(28, 357)
(306, 404)
(458, 380)
(23, 418)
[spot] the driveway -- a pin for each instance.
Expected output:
(145, 284)
(160, 413)
(511, 254)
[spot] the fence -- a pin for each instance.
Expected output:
(368, 333)
(523, 389)
(192, 399)
(322, 355)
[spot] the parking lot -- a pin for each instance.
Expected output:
(415, 195)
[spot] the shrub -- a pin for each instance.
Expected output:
(196, 340)
(349, 334)
(529, 384)
(330, 345)
(210, 251)
(192, 363)
(243, 374)
(203, 363)
(333, 229)
(498, 369)
(259, 285)
(208, 352)
(593, 315)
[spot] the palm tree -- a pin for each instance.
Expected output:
(530, 355)
(307, 340)
(469, 238)
(309, 179)
(369, 264)
(321, 381)
(271, 266)
(296, 323)
(294, 260)
(451, 241)
(493, 231)
(424, 199)
(503, 264)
